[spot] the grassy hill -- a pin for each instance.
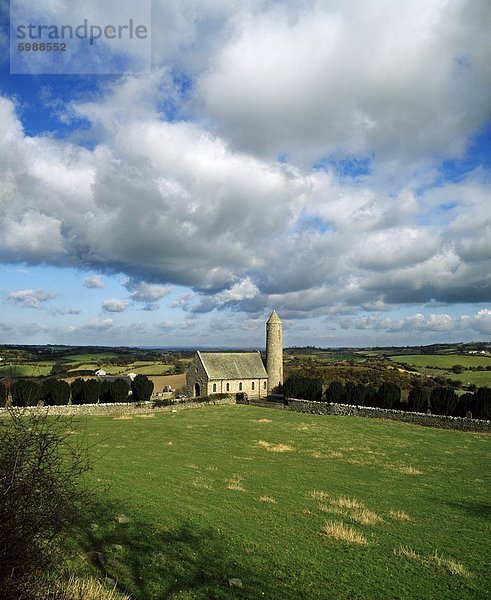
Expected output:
(241, 502)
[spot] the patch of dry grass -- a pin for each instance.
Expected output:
(146, 416)
(89, 589)
(449, 564)
(318, 495)
(274, 447)
(410, 471)
(235, 483)
(123, 418)
(201, 483)
(339, 531)
(261, 420)
(267, 499)
(365, 516)
(346, 502)
(399, 515)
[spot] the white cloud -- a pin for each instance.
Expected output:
(140, 291)
(402, 80)
(99, 324)
(95, 281)
(31, 298)
(114, 305)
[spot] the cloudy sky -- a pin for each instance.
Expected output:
(327, 158)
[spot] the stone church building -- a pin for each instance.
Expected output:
(239, 372)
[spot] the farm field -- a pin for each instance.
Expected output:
(443, 361)
(27, 369)
(440, 365)
(242, 502)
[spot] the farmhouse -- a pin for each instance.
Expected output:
(239, 372)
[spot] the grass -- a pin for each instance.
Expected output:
(442, 361)
(27, 369)
(204, 504)
(437, 365)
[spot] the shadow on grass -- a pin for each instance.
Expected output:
(185, 562)
(473, 508)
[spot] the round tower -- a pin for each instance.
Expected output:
(274, 352)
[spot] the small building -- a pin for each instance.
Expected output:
(239, 372)
(100, 373)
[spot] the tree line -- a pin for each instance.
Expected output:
(438, 400)
(55, 392)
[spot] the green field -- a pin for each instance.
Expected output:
(192, 501)
(443, 361)
(27, 369)
(92, 357)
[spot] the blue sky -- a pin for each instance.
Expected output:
(330, 160)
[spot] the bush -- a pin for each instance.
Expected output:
(39, 474)
(142, 388)
(25, 393)
(55, 392)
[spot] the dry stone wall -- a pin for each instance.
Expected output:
(440, 421)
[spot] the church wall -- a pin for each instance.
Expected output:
(259, 391)
(197, 375)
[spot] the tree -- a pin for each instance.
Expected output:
(3, 394)
(418, 398)
(55, 391)
(118, 390)
(40, 467)
(306, 388)
(336, 392)
(142, 388)
(481, 404)
(25, 393)
(388, 395)
(105, 396)
(443, 401)
(77, 387)
(86, 392)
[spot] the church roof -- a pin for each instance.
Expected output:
(233, 365)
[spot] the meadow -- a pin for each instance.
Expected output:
(434, 365)
(244, 502)
(443, 361)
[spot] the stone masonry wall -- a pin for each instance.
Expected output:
(122, 408)
(440, 421)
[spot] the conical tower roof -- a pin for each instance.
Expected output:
(274, 318)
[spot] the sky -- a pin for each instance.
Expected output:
(330, 159)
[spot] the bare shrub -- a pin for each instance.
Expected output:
(40, 468)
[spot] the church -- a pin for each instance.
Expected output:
(239, 372)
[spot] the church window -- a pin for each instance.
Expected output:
(214, 387)
(228, 387)
(252, 385)
(264, 385)
(240, 386)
